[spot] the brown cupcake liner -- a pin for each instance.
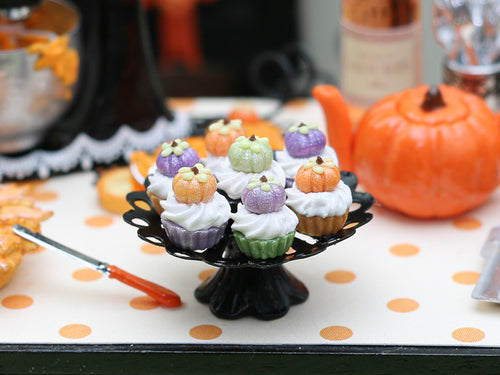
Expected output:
(319, 226)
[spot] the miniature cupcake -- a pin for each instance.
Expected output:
(173, 155)
(263, 226)
(220, 136)
(195, 215)
(248, 157)
(319, 197)
(303, 141)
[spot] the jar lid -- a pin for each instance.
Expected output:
(381, 13)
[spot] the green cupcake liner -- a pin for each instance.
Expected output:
(264, 249)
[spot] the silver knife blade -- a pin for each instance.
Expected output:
(492, 243)
(487, 287)
(48, 243)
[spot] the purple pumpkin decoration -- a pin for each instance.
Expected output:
(263, 195)
(175, 155)
(304, 140)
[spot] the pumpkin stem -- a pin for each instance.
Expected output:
(319, 160)
(252, 138)
(174, 144)
(195, 170)
(433, 99)
(263, 179)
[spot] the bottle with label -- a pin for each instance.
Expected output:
(381, 48)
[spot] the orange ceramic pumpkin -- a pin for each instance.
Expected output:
(317, 175)
(221, 135)
(194, 184)
(429, 152)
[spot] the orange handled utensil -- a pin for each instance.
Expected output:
(160, 294)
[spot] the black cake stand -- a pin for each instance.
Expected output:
(242, 285)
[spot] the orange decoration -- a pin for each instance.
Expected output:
(428, 152)
(86, 275)
(75, 331)
(317, 175)
(99, 221)
(253, 124)
(468, 334)
(336, 333)
(245, 113)
(466, 277)
(194, 185)
(17, 301)
(11, 40)
(338, 123)
(144, 303)
(467, 223)
(16, 207)
(112, 188)
(139, 164)
(6, 42)
(221, 136)
(59, 56)
(178, 32)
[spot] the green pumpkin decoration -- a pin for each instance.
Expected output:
(250, 155)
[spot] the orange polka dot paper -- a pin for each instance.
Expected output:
(396, 281)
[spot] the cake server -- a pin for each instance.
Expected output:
(488, 285)
(160, 294)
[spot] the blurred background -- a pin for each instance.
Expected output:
(118, 60)
(222, 38)
(319, 30)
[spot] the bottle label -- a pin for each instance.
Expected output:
(378, 63)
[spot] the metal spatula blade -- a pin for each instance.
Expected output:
(488, 285)
(162, 295)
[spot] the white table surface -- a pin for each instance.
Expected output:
(397, 281)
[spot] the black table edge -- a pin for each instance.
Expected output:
(241, 359)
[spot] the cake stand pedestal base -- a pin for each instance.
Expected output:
(244, 286)
(265, 293)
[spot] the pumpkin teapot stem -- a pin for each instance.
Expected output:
(338, 123)
(433, 99)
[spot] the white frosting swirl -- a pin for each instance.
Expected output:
(264, 226)
(160, 185)
(291, 165)
(198, 216)
(152, 169)
(216, 163)
(233, 182)
(323, 204)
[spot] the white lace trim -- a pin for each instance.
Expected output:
(84, 151)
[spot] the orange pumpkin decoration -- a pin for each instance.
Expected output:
(428, 152)
(194, 184)
(317, 175)
(253, 124)
(221, 135)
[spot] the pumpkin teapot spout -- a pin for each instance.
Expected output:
(338, 123)
(427, 152)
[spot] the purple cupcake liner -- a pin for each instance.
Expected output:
(197, 240)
